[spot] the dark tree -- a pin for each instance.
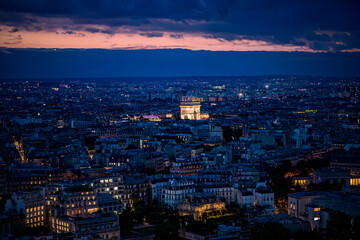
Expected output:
(200, 227)
(338, 226)
(169, 229)
(90, 141)
(324, 186)
(301, 235)
(270, 231)
(126, 222)
(131, 146)
(356, 228)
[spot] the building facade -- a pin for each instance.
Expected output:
(190, 108)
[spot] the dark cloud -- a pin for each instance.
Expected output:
(14, 30)
(276, 21)
(152, 34)
(13, 39)
(37, 28)
(69, 32)
(9, 43)
(223, 37)
(177, 36)
(92, 30)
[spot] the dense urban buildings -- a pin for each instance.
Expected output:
(179, 120)
(191, 158)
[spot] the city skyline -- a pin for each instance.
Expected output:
(99, 63)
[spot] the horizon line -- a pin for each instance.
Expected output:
(184, 76)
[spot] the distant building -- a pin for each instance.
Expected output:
(174, 193)
(196, 204)
(244, 197)
(108, 204)
(300, 137)
(190, 108)
(136, 186)
(31, 204)
(289, 222)
(223, 191)
(111, 185)
(186, 166)
(319, 209)
(80, 124)
(334, 175)
(264, 197)
(297, 202)
(75, 201)
(301, 181)
(105, 225)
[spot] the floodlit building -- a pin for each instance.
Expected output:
(196, 204)
(190, 108)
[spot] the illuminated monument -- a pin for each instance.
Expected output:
(190, 108)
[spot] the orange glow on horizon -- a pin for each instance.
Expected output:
(126, 40)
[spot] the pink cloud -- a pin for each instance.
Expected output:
(125, 39)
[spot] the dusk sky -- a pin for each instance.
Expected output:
(114, 38)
